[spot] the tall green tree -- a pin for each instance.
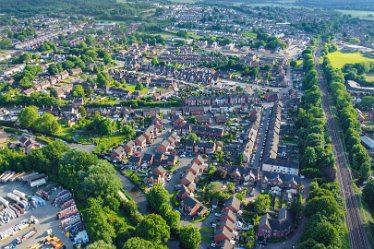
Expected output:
(154, 228)
(28, 116)
(189, 237)
(138, 243)
(156, 197)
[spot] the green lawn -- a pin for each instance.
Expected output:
(361, 14)
(339, 59)
(370, 76)
(299, 63)
(104, 101)
(250, 35)
(131, 88)
(103, 144)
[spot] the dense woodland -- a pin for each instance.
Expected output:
(316, 153)
(358, 156)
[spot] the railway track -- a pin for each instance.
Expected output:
(356, 231)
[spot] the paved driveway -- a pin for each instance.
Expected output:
(181, 169)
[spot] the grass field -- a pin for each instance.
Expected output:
(370, 76)
(250, 35)
(131, 88)
(367, 15)
(339, 59)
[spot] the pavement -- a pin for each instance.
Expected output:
(46, 216)
(180, 170)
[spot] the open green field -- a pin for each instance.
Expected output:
(370, 76)
(250, 35)
(361, 14)
(131, 88)
(339, 59)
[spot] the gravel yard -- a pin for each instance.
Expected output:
(46, 215)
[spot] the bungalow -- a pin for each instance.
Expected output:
(232, 204)
(193, 207)
(278, 228)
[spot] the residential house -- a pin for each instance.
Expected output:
(28, 144)
(141, 141)
(158, 158)
(188, 179)
(148, 137)
(223, 234)
(118, 153)
(233, 204)
(171, 160)
(226, 244)
(228, 224)
(135, 161)
(129, 147)
(192, 207)
(195, 169)
(158, 176)
(184, 192)
(147, 159)
(228, 215)
(199, 160)
(275, 227)
(163, 147)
